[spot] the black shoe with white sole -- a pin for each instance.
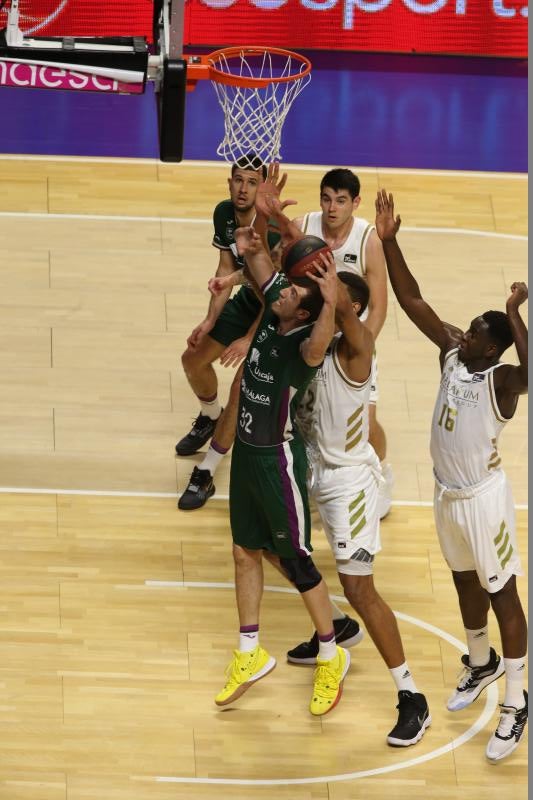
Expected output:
(413, 719)
(347, 634)
(199, 490)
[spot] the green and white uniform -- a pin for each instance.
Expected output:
(241, 311)
(268, 496)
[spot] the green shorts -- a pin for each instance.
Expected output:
(237, 317)
(269, 507)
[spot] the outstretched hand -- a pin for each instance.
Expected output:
(267, 198)
(386, 226)
(325, 276)
(518, 295)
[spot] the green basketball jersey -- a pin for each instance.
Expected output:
(274, 379)
(225, 224)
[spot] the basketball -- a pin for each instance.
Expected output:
(298, 256)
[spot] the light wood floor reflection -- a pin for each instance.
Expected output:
(118, 612)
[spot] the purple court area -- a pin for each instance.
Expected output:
(361, 109)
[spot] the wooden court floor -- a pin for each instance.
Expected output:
(118, 609)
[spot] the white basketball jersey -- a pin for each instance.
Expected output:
(466, 425)
(351, 255)
(333, 415)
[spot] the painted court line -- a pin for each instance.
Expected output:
(104, 493)
(205, 221)
(491, 703)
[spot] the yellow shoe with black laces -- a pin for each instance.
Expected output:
(242, 671)
(328, 680)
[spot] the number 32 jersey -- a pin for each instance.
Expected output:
(466, 425)
(274, 377)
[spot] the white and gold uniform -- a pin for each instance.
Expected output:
(344, 468)
(349, 257)
(473, 503)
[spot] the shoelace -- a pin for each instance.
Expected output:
(464, 677)
(507, 720)
(236, 667)
(324, 679)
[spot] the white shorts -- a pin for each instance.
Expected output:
(347, 501)
(478, 532)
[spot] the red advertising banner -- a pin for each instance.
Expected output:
(461, 27)
(83, 17)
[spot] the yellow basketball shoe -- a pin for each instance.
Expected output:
(242, 671)
(328, 680)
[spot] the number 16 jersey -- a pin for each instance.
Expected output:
(466, 425)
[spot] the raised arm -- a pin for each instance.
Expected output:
(250, 245)
(356, 345)
(403, 283)
(510, 381)
(376, 276)
(314, 348)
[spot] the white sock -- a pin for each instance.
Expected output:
(212, 459)
(327, 648)
(248, 638)
(515, 669)
(210, 407)
(478, 646)
(403, 679)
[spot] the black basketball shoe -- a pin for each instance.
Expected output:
(347, 633)
(199, 490)
(413, 719)
(202, 430)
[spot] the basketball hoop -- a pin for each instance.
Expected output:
(256, 87)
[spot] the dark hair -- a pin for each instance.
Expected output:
(499, 330)
(341, 178)
(357, 288)
(313, 300)
(250, 161)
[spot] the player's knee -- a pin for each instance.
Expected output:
(358, 590)
(301, 572)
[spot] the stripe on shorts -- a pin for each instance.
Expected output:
(293, 498)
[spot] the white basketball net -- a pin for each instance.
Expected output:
(254, 117)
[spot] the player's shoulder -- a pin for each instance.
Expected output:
(225, 207)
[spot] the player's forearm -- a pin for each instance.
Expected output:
(217, 303)
(519, 332)
(375, 321)
(322, 334)
(402, 281)
(260, 266)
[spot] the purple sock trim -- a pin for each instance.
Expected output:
(248, 628)
(207, 399)
(328, 637)
(217, 448)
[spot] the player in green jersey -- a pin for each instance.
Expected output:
(269, 506)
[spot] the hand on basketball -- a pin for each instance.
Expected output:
(386, 226)
(325, 275)
(518, 295)
(248, 241)
(235, 352)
